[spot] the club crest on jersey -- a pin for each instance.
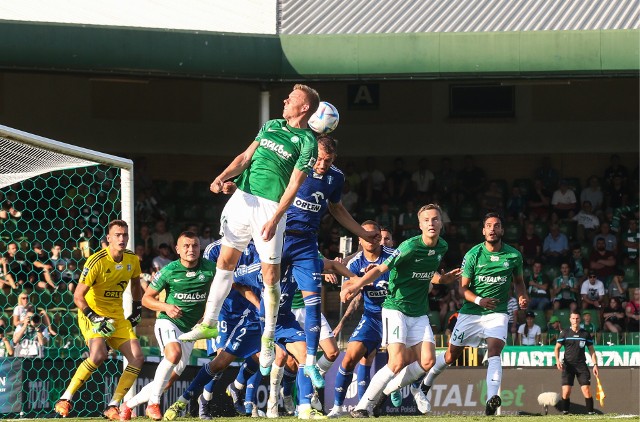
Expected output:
(119, 266)
(582, 343)
(190, 273)
(295, 139)
(494, 258)
(431, 252)
(506, 264)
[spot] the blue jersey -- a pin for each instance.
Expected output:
(375, 293)
(312, 198)
(247, 273)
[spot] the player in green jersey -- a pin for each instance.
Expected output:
(488, 270)
(186, 282)
(405, 321)
(269, 173)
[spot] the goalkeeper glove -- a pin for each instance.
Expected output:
(99, 324)
(136, 313)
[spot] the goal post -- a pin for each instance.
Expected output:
(54, 194)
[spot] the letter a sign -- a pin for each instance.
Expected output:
(363, 96)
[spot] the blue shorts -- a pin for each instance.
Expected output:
(288, 331)
(368, 332)
(301, 253)
(239, 337)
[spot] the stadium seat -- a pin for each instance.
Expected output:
(512, 233)
(541, 320)
(541, 229)
(144, 341)
(162, 188)
(211, 213)
(464, 230)
(503, 186)
(631, 275)
(180, 189)
(563, 315)
(585, 251)
(201, 190)
(551, 272)
(609, 339)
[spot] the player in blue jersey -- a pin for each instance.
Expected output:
(367, 337)
(320, 192)
(239, 328)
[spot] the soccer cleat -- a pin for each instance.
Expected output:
(315, 402)
(125, 412)
(174, 411)
(359, 413)
(565, 412)
(424, 406)
(337, 412)
(492, 405)
(203, 408)
(591, 413)
(112, 413)
(237, 398)
(396, 398)
(199, 332)
(312, 372)
(272, 409)
(63, 407)
(310, 413)
(289, 407)
(267, 355)
(153, 411)
(377, 407)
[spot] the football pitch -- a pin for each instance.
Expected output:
(456, 418)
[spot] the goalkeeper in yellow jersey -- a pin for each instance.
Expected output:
(98, 297)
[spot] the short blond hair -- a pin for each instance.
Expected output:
(430, 207)
(313, 98)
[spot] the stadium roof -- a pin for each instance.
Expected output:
(323, 39)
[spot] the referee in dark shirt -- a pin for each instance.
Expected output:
(574, 365)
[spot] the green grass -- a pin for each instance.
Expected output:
(456, 418)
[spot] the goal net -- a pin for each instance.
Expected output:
(55, 203)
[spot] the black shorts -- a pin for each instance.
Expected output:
(580, 371)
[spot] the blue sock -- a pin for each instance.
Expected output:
(312, 308)
(248, 368)
(305, 388)
(343, 380)
(364, 376)
(252, 387)
(203, 377)
(209, 387)
(287, 382)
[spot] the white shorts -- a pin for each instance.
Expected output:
(471, 330)
(400, 328)
(325, 329)
(242, 219)
(167, 332)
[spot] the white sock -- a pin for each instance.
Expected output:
(376, 385)
(220, 288)
(238, 385)
(406, 376)
(436, 370)
(160, 380)
(311, 360)
(142, 396)
(277, 372)
(207, 395)
(324, 365)
(66, 396)
(494, 376)
(271, 303)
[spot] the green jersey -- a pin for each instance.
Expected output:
(298, 300)
(412, 267)
(186, 288)
(491, 275)
(281, 148)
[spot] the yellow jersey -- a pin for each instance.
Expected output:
(108, 280)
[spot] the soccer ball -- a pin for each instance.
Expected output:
(325, 119)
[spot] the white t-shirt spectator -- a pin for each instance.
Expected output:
(530, 338)
(593, 291)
